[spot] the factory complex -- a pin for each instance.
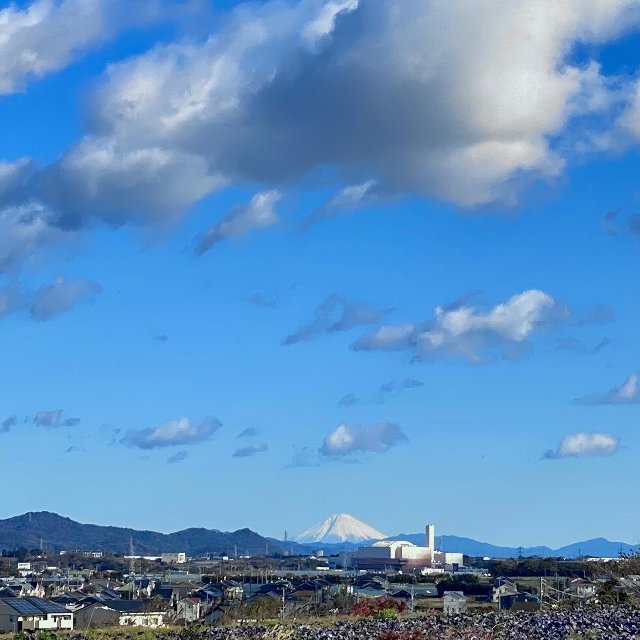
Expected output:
(401, 555)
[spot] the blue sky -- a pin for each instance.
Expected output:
(266, 262)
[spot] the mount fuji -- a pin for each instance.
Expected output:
(340, 527)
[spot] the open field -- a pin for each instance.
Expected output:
(608, 623)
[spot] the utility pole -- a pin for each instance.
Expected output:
(283, 610)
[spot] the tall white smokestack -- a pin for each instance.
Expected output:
(430, 538)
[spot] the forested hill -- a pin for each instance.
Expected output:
(57, 533)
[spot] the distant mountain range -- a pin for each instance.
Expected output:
(597, 547)
(58, 533)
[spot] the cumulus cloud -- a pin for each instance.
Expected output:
(412, 95)
(578, 445)
(8, 423)
(48, 418)
(25, 231)
(179, 456)
(332, 315)
(250, 432)
(55, 299)
(173, 433)
(161, 338)
(627, 393)
(46, 35)
(258, 214)
(348, 199)
(250, 450)
(467, 331)
(348, 439)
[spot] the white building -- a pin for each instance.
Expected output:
(177, 557)
(402, 555)
(33, 614)
(454, 602)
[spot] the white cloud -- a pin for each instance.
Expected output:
(332, 315)
(46, 35)
(24, 231)
(251, 450)
(347, 439)
(584, 444)
(465, 330)
(629, 120)
(324, 22)
(463, 102)
(55, 299)
(118, 182)
(347, 199)
(259, 213)
(419, 93)
(175, 432)
(627, 393)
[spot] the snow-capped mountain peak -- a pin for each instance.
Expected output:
(340, 527)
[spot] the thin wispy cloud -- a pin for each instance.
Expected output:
(600, 314)
(467, 331)
(8, 423)
(579, 445)
(55, 299)
(263, 301)
(71, 422)
(574, 345)
(259, 213)
(179, 456)
(349, 400)
(627, 393)
(251, 450)
(48, 418)
(335, 314)
(346, 200)
(346, 439)
(173, 433)
(615, 223)
(610, 222)
(303, 457)
(393, 387)
(250, 432)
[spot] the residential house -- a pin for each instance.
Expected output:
(582, 588)
(190, 609)
(94, 614)
(454, 602)
(139, 613)
(33, 614)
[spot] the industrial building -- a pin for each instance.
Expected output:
(401, 555)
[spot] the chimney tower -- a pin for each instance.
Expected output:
(430, 539)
